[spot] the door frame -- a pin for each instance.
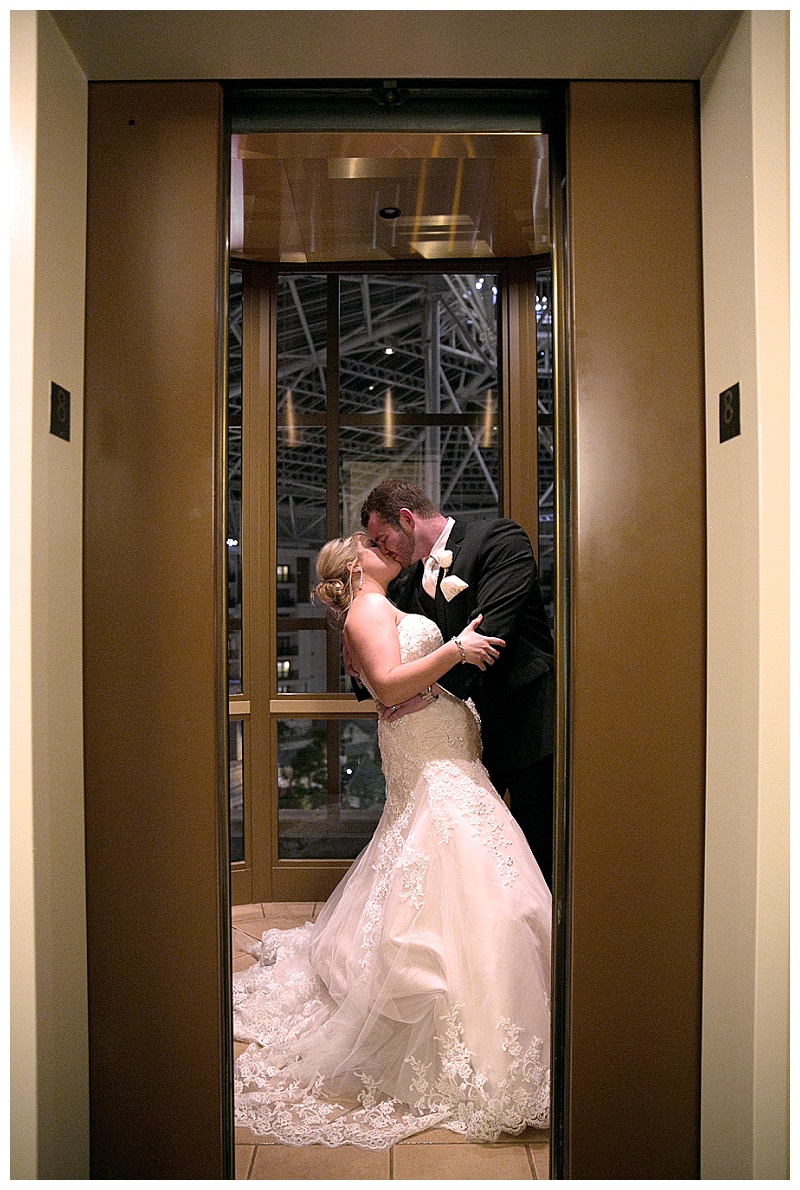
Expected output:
(625, 377)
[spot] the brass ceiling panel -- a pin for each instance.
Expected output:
(318, 197)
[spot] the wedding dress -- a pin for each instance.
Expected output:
(419, 998)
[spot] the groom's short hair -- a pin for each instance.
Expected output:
(393, 494)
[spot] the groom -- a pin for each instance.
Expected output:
(462, 568)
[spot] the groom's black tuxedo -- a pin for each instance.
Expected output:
(515, 697)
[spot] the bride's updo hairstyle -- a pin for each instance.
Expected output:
(335, 563)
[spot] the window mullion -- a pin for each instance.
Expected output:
(334, 527)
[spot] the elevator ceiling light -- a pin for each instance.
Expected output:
(390, 212)
(441, 249)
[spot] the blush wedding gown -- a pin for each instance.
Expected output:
(420, 997)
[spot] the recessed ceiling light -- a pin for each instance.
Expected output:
(390, 212)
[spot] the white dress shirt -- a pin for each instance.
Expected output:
(430, 574)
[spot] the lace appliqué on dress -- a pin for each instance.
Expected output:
(459, 1096)
(414, 866)
(522, 1098)
(453, 797)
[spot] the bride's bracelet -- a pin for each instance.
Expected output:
(457, 642)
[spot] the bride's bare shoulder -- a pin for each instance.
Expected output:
(370, 606)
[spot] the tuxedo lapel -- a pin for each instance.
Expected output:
(454, 541)
(456, 537)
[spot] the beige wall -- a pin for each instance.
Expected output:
(24, 1116)
(49, 1033)
(745, 213)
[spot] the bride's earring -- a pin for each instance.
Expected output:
(360, 579)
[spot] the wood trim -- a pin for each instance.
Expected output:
(258, 435)
(242, 873)
(520, 429)
(322, 707)
(297, 881)
(241, 885)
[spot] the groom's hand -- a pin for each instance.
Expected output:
(349, 665)
(417, 703)
(392, 714)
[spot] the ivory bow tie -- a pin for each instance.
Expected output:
(440, 560)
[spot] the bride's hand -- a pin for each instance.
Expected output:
(479, 650)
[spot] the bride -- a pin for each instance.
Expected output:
(419, 998)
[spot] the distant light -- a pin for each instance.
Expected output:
(494, 290)
(479, 283)
(388, 421)
(388, 350)
(231, 542)
(349, 772)
(292, 437)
